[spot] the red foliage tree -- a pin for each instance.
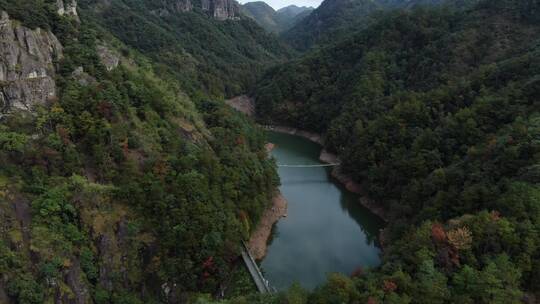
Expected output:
(389, 286)
(209, 263)
(438, 234)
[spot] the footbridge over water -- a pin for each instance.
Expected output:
(308, 166)
(262, 284)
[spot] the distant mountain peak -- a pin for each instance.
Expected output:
(336, 17)
(272, 20)
(218, 9)
(292, 6)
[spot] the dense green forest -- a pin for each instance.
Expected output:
(136, 184)
(330, 20)
(335, 20)
(436, 111)
(272, 20)
(122, 189)
(219, 58)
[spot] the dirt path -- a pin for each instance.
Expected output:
(259, 239)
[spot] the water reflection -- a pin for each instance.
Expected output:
(326, 229)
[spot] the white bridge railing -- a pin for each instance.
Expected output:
(308, 166)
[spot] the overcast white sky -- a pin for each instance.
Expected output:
(277, 4)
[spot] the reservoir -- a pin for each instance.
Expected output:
(326, 229)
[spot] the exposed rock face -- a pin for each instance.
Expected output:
(221, 9)
(82, 77)
(243, 103)
(67, 8)
(109, 58)
(79, 288)
(26, 66)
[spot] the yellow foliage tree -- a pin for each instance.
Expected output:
(460, 238)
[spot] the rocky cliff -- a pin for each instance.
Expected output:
(27, 65)
(67, 8)
(219, 9)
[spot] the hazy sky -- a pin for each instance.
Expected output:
(277, 4)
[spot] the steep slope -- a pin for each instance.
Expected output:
(330, 20)
(290, 15)
(27, 65)
(263, 14)
(221, 56)
(436, 113)
(292, 10)
(115, 187)
(275, 21)
(336, 19)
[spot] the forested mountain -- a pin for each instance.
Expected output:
(262, 13)
(335, 19)
(124, 179)
(275, 21)
(436, 111)
(331, 19)
(208, 45)
(115, 185)
(290, 15)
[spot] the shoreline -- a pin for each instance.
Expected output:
(258, 241)
(313, 137)
(342, 178)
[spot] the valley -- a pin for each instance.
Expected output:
(326, 230)
(130, 172)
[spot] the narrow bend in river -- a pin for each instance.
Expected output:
(326, 230)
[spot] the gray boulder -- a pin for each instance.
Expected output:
(27, 65)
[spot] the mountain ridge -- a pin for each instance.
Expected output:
(214, 52)
(272, 20)
(423, 107)
(117, 184)
(334, 18)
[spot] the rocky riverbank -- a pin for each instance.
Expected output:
(259, 238)
(258, 242)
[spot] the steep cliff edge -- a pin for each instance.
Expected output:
(67, 8)
(78, 221)
(218, 9)
(27, 65)
(221, 9)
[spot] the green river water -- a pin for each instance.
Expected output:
(326, 229)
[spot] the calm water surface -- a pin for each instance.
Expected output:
(326, 229)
